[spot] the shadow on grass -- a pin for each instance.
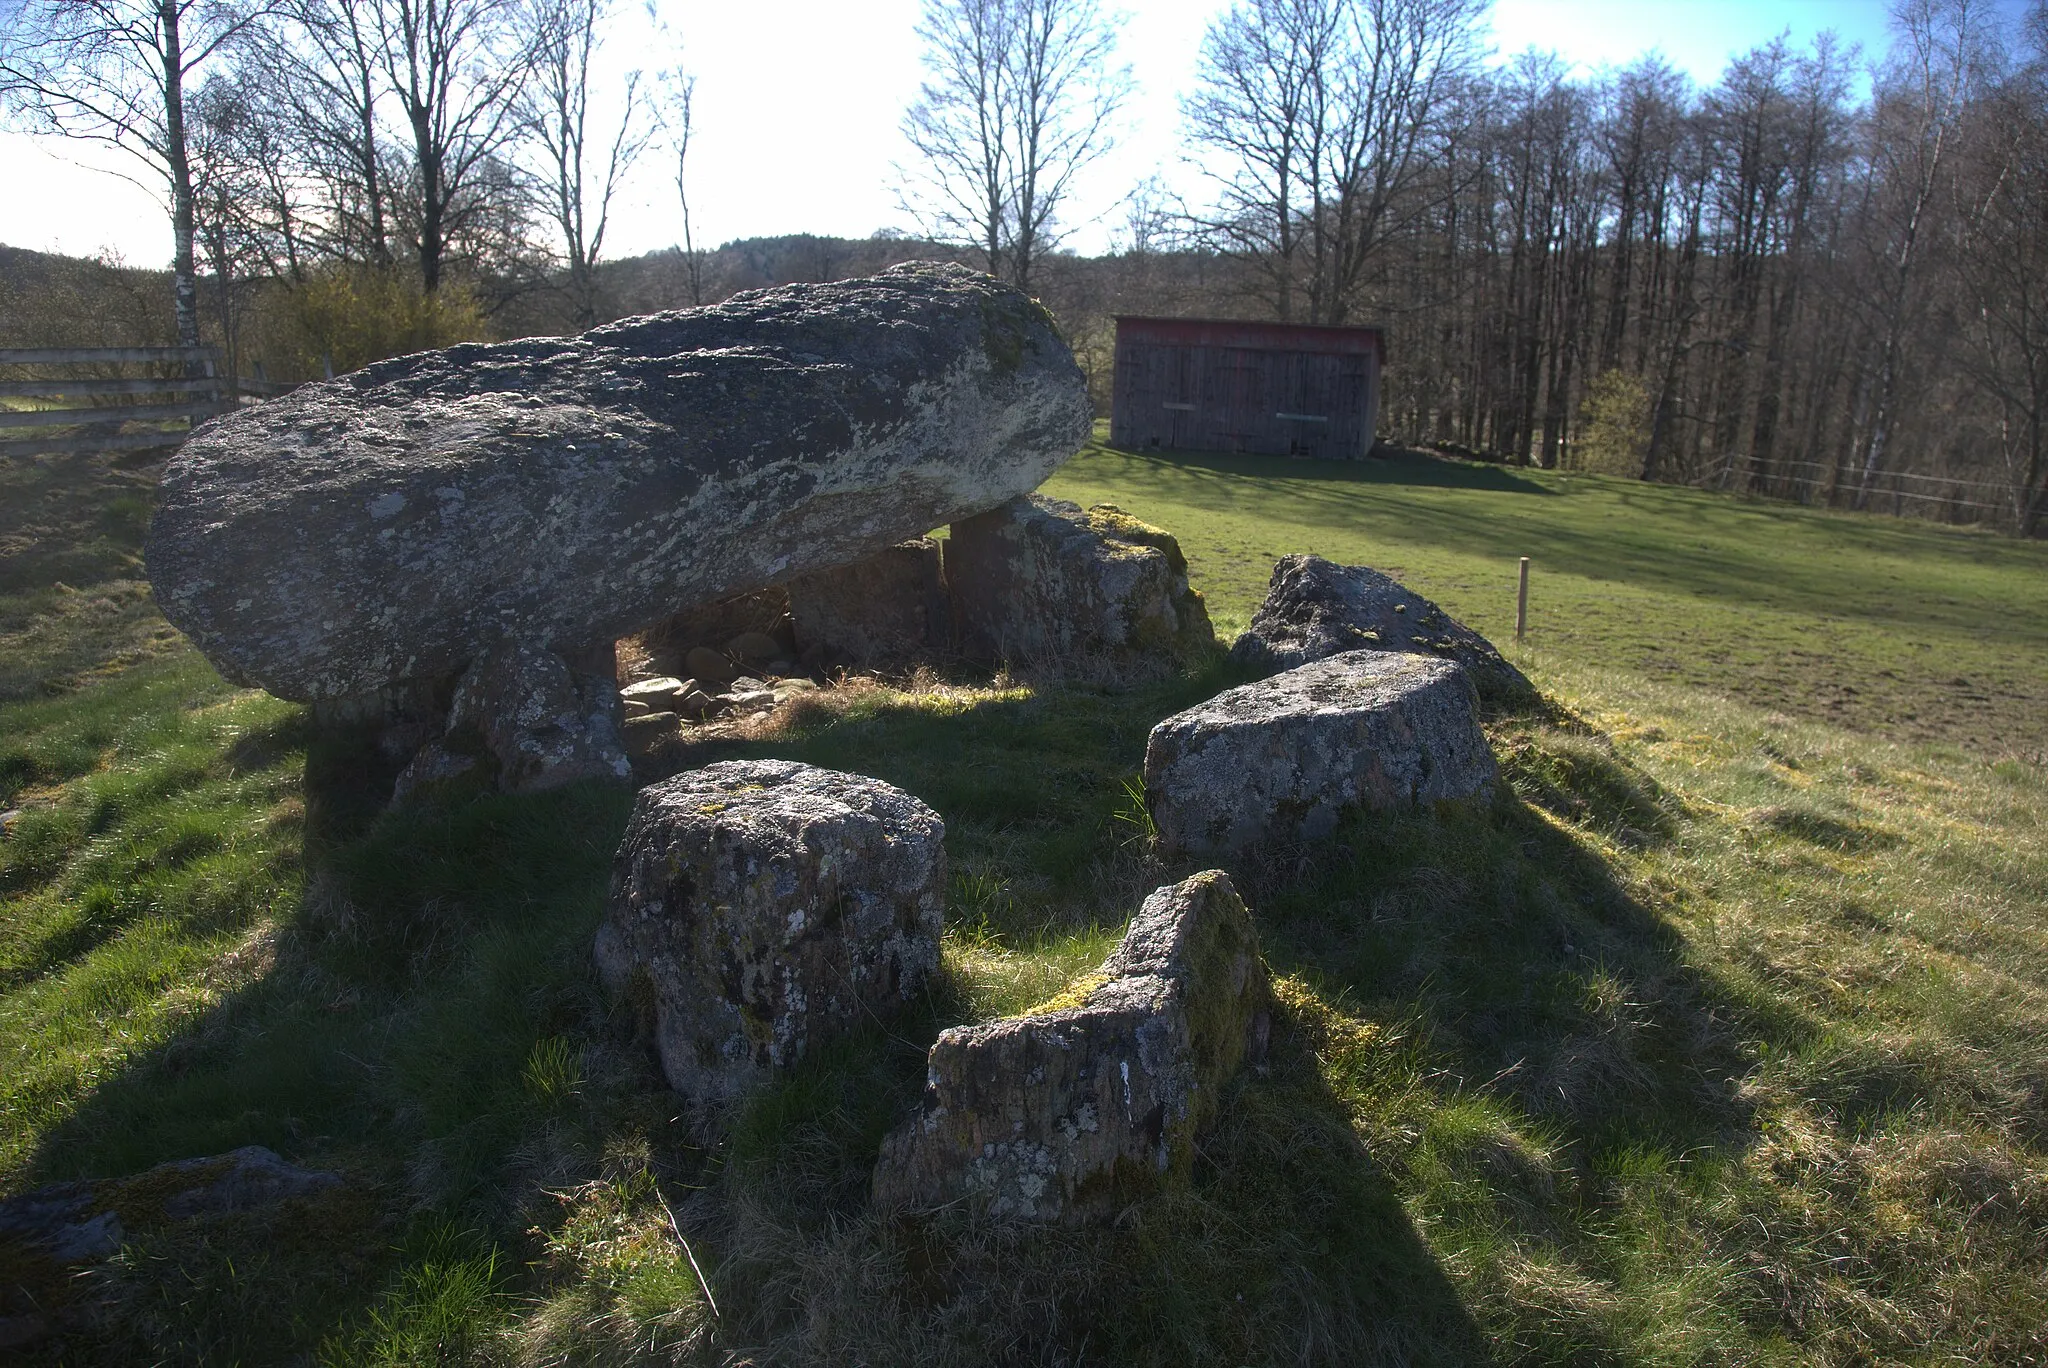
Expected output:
(429, 1025)
(1412, 468)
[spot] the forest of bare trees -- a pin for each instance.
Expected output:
(1822, 277)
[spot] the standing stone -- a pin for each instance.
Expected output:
(1074, 1110)
(1039, 581)
(398, 522)
(546, 724)
(1285, 758)
(763, 907)
(887, 610)
(1315, 609)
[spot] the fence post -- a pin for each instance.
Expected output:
(1522, 602)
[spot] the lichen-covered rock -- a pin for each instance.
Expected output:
(762, 907)
(81, 1221)
(886, 610)
(1079, 1107)
(1315, 609)
(395, 523)
(1285, 758)
(1039, 581)
(546, 724)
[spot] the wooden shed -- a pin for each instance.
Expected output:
(1215, 384)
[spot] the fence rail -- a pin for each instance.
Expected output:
(65, 356)
(96, 411)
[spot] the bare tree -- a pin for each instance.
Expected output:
(457, 71)
(330, 62)
(580, 181)
(233, 186)
(682, 99)
(1261, 113)
(2002, 268)
(117, 71)
(1315, 121)
(1019, 101)
(1919, 106)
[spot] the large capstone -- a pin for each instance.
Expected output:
(761, 908)
(1284, 759)
(1041, 582)
(1076, 1109)
(396, 523)
(1315, 609)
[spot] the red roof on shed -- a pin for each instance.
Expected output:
(1251, 335)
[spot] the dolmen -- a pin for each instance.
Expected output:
(760, 908)
(1071, 1112)
(1315, 609)
(363, 543)
(1281, 761)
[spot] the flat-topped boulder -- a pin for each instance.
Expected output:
(761, 908)
(1071, 1111)
(1041, 581)
(395, 523)
(1282, 760)
(1315, 609)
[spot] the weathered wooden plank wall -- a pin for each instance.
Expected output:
(1215, 385)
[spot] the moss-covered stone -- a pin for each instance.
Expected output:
(1042, 583)
(1094, 1099)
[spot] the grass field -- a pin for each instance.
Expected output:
(1722, 1038)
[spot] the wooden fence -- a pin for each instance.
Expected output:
(112, 398)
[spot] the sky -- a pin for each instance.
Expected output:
(799, 105)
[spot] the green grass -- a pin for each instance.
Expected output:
(1888, 626)
(1720, 1038)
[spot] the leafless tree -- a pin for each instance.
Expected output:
(234, 186)
(1018, 102)
(329, 61)
(117, 72)
(2002, 270)
(457, 70)
(1315, 121)
(579, 180)
(1920, 103)
(682, 124)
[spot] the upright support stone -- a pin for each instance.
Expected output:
(545, 722)
(761, 908)
(1074, 1110)
(1284, 759)
(1040, 582)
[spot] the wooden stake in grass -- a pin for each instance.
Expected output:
(1522, 602)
